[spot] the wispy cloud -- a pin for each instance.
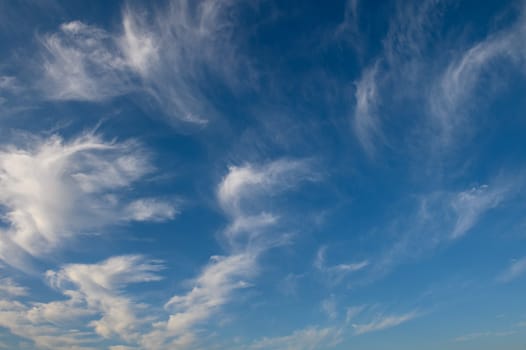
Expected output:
(336, 273)
(456, 90)
(11, 288)
(471, 204)
(366, 121)
(95, 304)
(439, 218)
(400, 63)
(383, 322)
(81, 63)
(98, 289)
(309, 338)
(516, 270)
(167, 57)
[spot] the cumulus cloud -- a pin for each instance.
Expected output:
(52, 190)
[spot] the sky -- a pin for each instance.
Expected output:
(262, 175)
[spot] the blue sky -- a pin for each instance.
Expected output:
(277, 175)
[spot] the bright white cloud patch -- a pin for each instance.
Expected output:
(52, 190)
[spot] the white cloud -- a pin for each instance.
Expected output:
(310, 338)
(396, 71)
(96, 305)
(167, 55)
(98, 287)
(212, 289)
(353, 311)
(224, 275)
(139, 46)
(439, 218)
(52, 190)
(10, 287)
(14, 316)
(477, 335)
(366, 121)
(516, 269)
(336, 273)
(383, 322)
(471, 204)
(150, 209)
(8, 83)
(248, 181)
(243, 194)
(455, 92)
(81, 63)
(330, 307)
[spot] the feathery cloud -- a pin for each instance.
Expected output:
(383, 322)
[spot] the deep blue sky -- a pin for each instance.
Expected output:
(280, 175)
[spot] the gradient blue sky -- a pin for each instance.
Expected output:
(281, 175)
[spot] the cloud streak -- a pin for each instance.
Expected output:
(383, 322)
(516, 270)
